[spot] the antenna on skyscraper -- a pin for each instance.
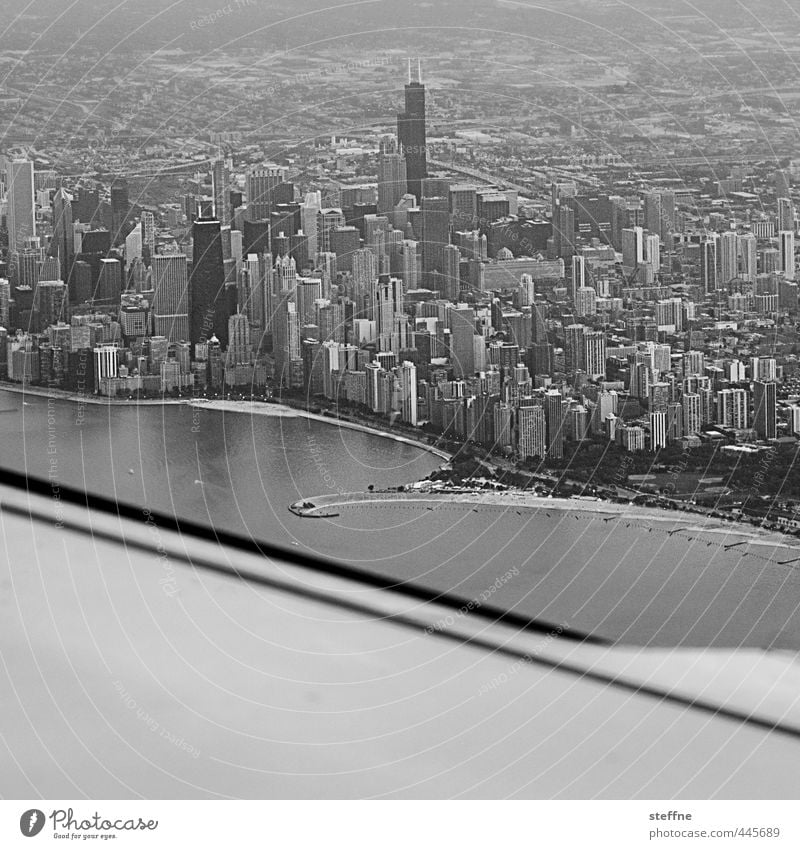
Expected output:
(409, 69)
(419, 70)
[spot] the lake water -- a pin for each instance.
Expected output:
(638, 581)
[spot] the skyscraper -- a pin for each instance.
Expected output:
(574, 348)
(435, 233)
(555, 414)
(786, 214)
(462, 332)
(578, 279)
(595, 354)
(764, 409)
(389, 308)
(708, 265)
(729, 257)
(732, 408)
(411, 133)
(261, 195)
(209, 314)
(748, 252)
(109, 281)
(531, 432)
(407, 379)
(658, 430)
(21, 216)
(692, 414)
(120, 208)
(170, 297)
(63, 242)
(391, 175)
(239, 346)
(220, 178)
(148, 225)
(632, 249)
(787, 253)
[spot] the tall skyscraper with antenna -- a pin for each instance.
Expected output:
(411, 132)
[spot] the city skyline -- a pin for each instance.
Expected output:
(401, 401)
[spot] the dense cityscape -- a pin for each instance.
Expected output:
(620, 320)
(400, 401)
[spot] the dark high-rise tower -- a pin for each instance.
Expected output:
(62, 244)
(120, 210)
(207, 299)
(411, 133)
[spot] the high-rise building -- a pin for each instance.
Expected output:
(21, 214)
(652, 251)
(63, 242)
(389, 296)
(574, 348)
(732, 408)
(595, 357)
(786, 214)
(692, 414)
(407, 379)
(578, 279)
(555, 413)
(669, 313)
(464, 206)
(262, 182)
(564, 232)
(652, 212)
(105, 363)
(748, 252)
(708, 265)
(391, 174)
(408, 265)
(765, 409)
(435, 232)
(658, 430)
(411, 133)
(134, 245)
(786, 238)
(531, 432)
(170, 297)
(207, 303)
(109, 281)
(50, 302)
(344, 242)
(287, 345)
(728, 257)
(220, 181)
(461, 322)
(148, 225)
(585, 302)
(239, 346)
(327, 220)
(632, 249)
(120, 209)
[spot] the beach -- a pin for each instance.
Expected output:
(519, 500)
(258, 408)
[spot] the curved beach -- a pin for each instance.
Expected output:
(629, 574)
(260, 408)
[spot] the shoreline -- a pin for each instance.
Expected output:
(81, 398)
(278, 410)
(519, 500)
(259, 408)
